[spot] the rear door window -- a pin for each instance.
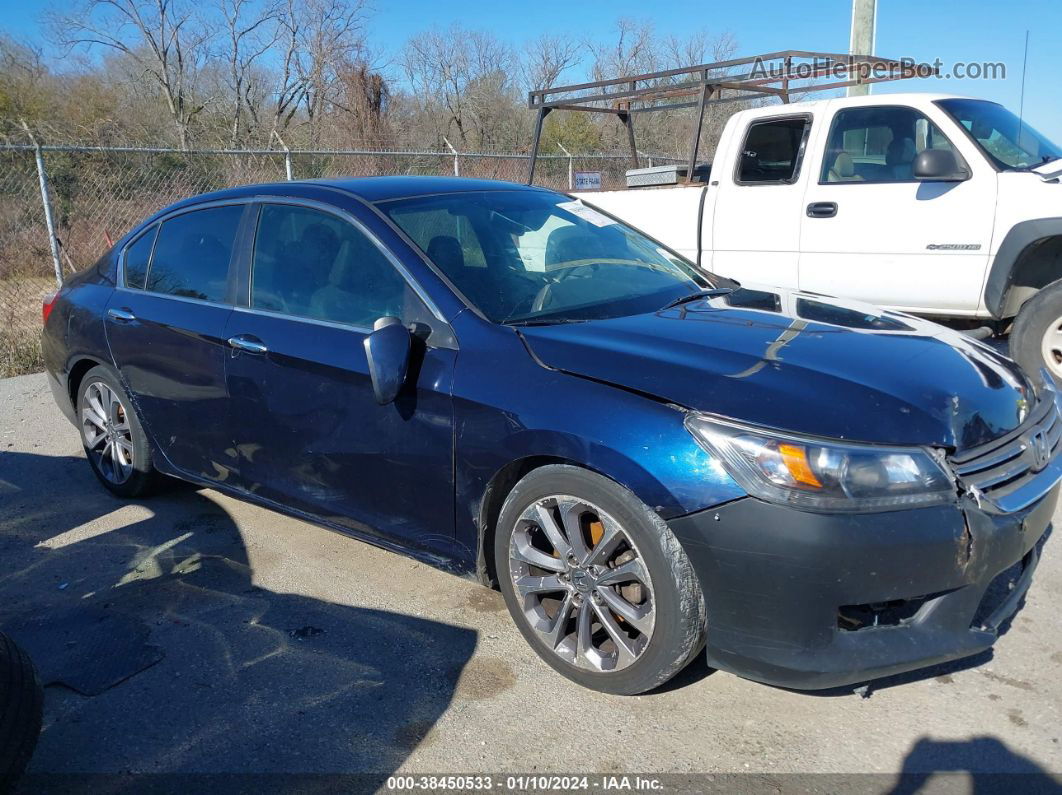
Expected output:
(772, 152)
(192, 254)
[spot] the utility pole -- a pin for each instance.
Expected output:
(864, 24)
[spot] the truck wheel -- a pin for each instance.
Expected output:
(1036, 339)
(596, 582)
(21, 704)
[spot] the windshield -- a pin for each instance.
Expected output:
(1008, 141)
(521, 256)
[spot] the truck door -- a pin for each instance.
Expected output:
(756, 225)
(872, 231)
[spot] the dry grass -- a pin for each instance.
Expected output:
(20, 324)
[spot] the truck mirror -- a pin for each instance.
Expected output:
(939, 165)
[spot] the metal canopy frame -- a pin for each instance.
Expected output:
(776, 74)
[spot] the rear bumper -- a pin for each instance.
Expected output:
(812, 601)
(62, 396)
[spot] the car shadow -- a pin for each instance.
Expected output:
(235, 678)
(992, 767)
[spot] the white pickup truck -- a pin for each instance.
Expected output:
(927, 203)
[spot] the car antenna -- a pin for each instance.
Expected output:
(1021, 101)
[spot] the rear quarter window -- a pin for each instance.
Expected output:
(137, 256)
(192, 254)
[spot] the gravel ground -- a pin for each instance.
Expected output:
(285, 647)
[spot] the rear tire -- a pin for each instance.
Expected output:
(1036, 338)
(21, 707)
(572, 546)
(114, 440)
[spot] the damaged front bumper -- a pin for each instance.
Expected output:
(812, 601)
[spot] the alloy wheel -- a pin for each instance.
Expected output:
(106, 432)
(581, 584)
(1051, 348)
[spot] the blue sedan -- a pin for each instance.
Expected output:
(648, 460)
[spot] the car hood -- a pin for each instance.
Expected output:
(801, 362)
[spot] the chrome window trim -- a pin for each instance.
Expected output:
(159, 221)
(342, 215)
(183, 298)
(248, 310)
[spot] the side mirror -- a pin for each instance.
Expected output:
(938, 165)
(387, 350)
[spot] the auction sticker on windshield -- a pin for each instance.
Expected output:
(586, 213)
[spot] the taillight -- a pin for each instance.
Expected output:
(48, 305)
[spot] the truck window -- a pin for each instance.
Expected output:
(772, 151)
(878, 144)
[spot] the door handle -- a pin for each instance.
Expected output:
(248, 344)
(822, 209)
(121, 315)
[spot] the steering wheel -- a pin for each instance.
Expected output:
(539, 301)
(559, 275)
(567, 272)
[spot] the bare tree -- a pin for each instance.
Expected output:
(331, 35)
(164, 38)
(288, 88)
(464, 81)
(251, 31)
(547, 58)
(362, 100)
(232, 72)
(633, 51)
(22, 92)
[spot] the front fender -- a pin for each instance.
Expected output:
(510, 409)
(1001, 274)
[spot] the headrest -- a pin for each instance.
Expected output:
(900, 152)
(844, 166)
(570, 243)
(445, 251)
(319, 241)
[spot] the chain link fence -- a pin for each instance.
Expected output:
(97, 194)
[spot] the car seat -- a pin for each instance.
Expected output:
(899, 157)
(843, 169)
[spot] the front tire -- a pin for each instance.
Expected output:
(596, 582)
(1036, 338)
(114, 440)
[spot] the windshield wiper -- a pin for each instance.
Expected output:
(709, 293)
(1043, 161)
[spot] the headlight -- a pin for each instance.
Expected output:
(817, 474)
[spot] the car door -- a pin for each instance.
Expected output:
(756, 225)
(308, 431)
(872, 231)
(164, 325)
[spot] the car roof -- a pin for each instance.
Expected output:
(370, 189)
(376, 189)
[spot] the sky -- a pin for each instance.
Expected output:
(966, 31)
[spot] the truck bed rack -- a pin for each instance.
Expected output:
(776, 74)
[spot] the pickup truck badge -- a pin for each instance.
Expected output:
(953, 247)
